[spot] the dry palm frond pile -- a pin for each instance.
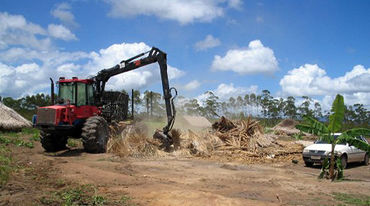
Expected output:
(11, 120)
(132, 141)
(242, 140)
(238, 140)
(246, 135)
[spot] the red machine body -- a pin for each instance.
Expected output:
(84, 109)
(67, 114)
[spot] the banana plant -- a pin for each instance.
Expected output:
(326, 133)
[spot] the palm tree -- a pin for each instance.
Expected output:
(326, 133)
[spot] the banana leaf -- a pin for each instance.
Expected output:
(312, 126)
(337, 116)
(344, 137)
(358, 132)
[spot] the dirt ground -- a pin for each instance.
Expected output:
(174, 180)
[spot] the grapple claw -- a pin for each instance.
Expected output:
(165, 139)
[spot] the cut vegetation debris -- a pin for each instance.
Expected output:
(132, 141)
(237, 140)
(11, 120)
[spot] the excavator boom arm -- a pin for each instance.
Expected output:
(154, 55)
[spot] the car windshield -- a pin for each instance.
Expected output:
(325, 142)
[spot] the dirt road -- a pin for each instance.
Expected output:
(173, 180)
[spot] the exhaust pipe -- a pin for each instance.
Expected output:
(52, 91)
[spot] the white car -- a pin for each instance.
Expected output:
(317, 152)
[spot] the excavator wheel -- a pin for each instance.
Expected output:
(52, 142)
(95, 135)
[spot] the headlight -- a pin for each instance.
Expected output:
(306, 150)
(338, 153)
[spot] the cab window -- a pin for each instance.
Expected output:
(90, 94)
(67, 92)
(81, 94)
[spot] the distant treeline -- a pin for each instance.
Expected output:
(271, 110)
(262, 106)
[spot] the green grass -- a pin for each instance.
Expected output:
(6, 140)
(5, 165)
(126, 201)
(352, 199)
(14, 138)
(268, 130)
(77, 195)
(73, 142)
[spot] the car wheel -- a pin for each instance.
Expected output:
(366, 159)
(343, 160)
(308, 164)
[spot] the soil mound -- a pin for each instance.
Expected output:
(286, 128)
(11, 120)
(287, 123)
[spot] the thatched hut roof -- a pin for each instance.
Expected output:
(11, 120)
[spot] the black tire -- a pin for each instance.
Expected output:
(308, 164)
(52, 142)
(366, 159)
(95, 135)
(344, 160)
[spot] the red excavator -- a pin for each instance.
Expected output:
(84, 109)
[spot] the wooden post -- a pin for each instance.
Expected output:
(147, 106)
(151, 104)
(132, 103)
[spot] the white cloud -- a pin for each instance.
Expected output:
(192, 85)
(15, 30)
(179, 10)
(20, 80)
(235, 4)
(254, 59)
(311, 80)
(225, 91)
(207, 43)
(140, 78)
(68, 69)
(31, 78)
(259, 19)
(60, 32)
(64, 14)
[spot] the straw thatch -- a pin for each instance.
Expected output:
(11, 120)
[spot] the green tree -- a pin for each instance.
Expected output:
(361, 115)
(192, 107)
(154, 98)
(247, 103)
(266, 103)
(212, 105)
(326, 133)
(253, 101)
(290, 110)
(317, 111)
(304, 109)
(239, 103)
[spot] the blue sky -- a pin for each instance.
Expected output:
(232, 47)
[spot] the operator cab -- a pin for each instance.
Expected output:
(78, 92)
